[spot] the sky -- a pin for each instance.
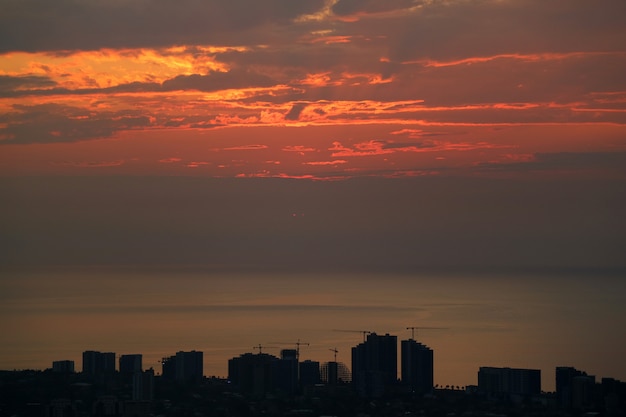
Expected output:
(387, 137)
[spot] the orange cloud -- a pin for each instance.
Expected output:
(245, 148)
(383, 147)
(197, 164)
(298, 148)
(109, 68)
(322, 163)
(169, 160)
(517, 57)
(369, 148)
(93, 164)
(410, 173)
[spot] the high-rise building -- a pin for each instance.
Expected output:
(416, 366)
(375, 365)
(252, 373)
(509, 381)
(574, 388)
(168, 368)
(309, 373)
(97, 363)
(285, 372)
(333, 373)
(143, 385)
(65, 367)
(129, 364)
(189, 366)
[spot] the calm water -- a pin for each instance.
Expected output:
(534, 321)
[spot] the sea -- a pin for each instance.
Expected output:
(524, 319)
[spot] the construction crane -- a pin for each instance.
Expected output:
(413, 328)
(261, 347)
(334, 350)
(298, 343)
(364, 332)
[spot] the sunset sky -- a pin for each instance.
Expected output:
(369, 136)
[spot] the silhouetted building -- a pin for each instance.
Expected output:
(143, 385)
(574, 388)
(97, 363)
(61, 407)
(65, 367)
(252, 373)
(330, 373)
(137, 409)
(107, 405)
(168, 368)
(509, 381)
(309, 373)
(189, 366)
(285, 372)
(289, 354)
(417, 368)
(333, 373)
(613, 394)
(375, 365)
(129, 364)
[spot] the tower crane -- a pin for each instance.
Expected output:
(334, 350)
(414, 328)
(261, 347)
(298, 343)
(364, 332)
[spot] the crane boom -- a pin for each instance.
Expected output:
(261, 347)
(413, 328)
(364, 332)
(298, 343)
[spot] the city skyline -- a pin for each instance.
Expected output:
(404, 370)
(213, 175)
(408, 366)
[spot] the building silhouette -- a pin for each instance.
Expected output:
(129, 364)
(375, 365)
(143, 385)
(285, 372)
(168, 368)
(184, 367)
(509, 381)
(574, 388)
(614, 396)
(61, 407)
(189, 366)
(335, 373)
(330, 373)
(97, 363)
(417, 366)
(107, 405)
(252, 373)
(309, 373)
(65, 367)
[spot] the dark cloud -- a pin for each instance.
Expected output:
(36, 25)
(569, 161)
(46, 123)
(424, 144)
(10, 83)
(215, 81)
(352, 7)
(455, 29)
(294, 112)
(245, 308)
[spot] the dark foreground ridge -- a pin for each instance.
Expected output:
(47, 393)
